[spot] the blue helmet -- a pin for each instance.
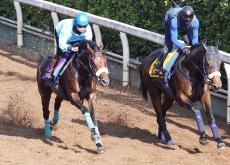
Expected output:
(81, 19)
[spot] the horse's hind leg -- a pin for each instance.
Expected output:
(57, 106)
(163, 133)
(167, 103)
(206, 101)
(45, 96)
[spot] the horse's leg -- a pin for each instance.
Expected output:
(167, 103)
(77, 102)
(92, 109)
(57, 105)
(206, 101)
(156, 101)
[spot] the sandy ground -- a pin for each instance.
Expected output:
(127, 124)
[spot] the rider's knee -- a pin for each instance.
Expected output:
(164, 50)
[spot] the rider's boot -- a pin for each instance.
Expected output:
(158, 69)
(168, 90)
(51, 68)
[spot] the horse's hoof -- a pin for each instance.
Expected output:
(170, 142)
(203, 141)
(220, 145)
(100, 149)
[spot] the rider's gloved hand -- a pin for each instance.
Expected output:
(186, 50)
(72, 49)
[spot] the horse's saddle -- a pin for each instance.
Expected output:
(153, 65)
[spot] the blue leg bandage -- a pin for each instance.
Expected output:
(161, 135)
(56, 117)
(215, 130)
(199, 121)
(167, 137)
(47, 129)
(88, 120)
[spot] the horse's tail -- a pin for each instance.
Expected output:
(143, 88)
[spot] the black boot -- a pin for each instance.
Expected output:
(167, 89)
(51, 68)
(160, 61)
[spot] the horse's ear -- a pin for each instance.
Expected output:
(89, 48)
(101, 46)
(204, 41)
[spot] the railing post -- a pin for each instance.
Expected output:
(227, 70)
(97, 33)
(125, 48)
(55, 22)
(19, 24)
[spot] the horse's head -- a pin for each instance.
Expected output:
(212, 61)
(207, 60)
(98, 64)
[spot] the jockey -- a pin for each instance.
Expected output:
(177, 21)
(67, 32)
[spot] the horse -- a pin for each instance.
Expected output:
(191, 79)
(77, 83)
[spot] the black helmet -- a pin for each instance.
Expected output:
(186, 14)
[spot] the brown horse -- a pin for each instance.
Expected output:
(78, 82)
(190, 82)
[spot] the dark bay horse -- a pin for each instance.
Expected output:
(78, 82)
(191, 79)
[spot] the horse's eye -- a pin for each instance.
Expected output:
(208, 61)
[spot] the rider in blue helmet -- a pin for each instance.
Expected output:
(177, 21)
(71, 36)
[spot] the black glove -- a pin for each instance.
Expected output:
(186, 51)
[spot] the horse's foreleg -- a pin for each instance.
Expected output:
(57, 106)
(206, 101)
(93, 129)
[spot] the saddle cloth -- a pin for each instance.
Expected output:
(169, 60)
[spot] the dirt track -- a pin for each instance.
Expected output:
(127, 124)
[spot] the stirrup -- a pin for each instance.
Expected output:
(158, 71)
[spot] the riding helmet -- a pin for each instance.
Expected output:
(186, 14)
(81, 19)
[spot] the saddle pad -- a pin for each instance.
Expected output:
(151, 69)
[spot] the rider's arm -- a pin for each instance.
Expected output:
(63, 42)
(64, 31)
(88, 33)
(174, 34)
(195, 28)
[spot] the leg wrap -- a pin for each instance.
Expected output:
(215, 130)
(167, 135)
(199, 121)
(88, 120)
(56, 117)
(98, 139)
(47, 129)
(161, 135)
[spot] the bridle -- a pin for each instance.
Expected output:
(89, 67)
(202, 68)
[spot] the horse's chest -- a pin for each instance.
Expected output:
(195, 92)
